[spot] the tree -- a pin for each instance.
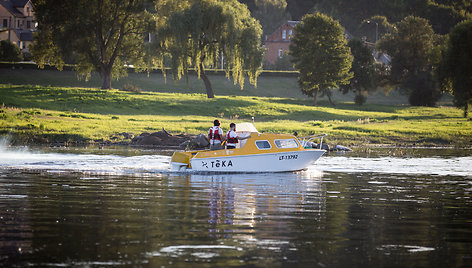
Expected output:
(10, 52)
(298, 8)
(413, 48)
(363, 69)
(204, 30)
(320, 53)
(271, 14)
(99, 35)
(454, 72)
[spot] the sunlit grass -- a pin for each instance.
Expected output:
(48, 114)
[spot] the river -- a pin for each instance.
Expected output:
(123, 207)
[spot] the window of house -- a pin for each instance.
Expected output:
(27, 11)
(263, 145)
(18, 24)
(290, 33)
(284, 34)
(28, 24)
(281, 53)
(5, 23)
(286, 143)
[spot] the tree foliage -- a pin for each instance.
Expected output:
(363, 69)
(414, 48)
(99, 35)
(271, 14)
(442, 14)
(10, 52)
(455, 72)
(320, 53)
(202, 31)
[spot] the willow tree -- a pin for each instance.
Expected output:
(97, 35)
(320, 53)
(204, 30)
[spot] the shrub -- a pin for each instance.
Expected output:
(423, 90)
(131, 88)
(360, 99)
(10, 52)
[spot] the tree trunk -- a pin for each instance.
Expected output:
(105, 74)
(315, 94)
(206, 81)
(466, 109)
(329, 98)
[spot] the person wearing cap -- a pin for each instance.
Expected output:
(232, 137)
(215, 136)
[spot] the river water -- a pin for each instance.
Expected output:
(123, 207)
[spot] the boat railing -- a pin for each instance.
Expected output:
(307, 139)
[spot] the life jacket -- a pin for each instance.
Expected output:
(214, 133)
(231, 140)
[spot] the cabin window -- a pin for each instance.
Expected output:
(263, 145)
(286, 143)
(284, 34)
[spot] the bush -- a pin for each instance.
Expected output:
(360, 99)
(423, 90)
(10, 52)
(131, 88)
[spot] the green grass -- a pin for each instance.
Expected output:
(268, 85)
(45, 114)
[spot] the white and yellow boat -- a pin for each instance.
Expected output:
(261, 152)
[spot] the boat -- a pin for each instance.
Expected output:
(261, 152)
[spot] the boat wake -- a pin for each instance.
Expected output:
(25, 159)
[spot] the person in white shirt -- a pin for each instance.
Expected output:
(215, 136)
(232, 137)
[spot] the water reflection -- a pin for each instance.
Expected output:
(238, 205)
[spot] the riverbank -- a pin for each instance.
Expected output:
(76, 116)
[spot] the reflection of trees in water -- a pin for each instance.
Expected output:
(241, 204)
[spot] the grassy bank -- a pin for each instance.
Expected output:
(49, 114)
(268, 86)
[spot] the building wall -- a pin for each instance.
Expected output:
(13, 37)
(5, 16)
(274, 48)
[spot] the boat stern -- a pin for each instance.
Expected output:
(180, 161)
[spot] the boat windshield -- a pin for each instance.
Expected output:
(286, 143)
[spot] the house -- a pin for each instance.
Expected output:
(277, 43)
(17, 22)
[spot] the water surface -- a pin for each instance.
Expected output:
(380, 208)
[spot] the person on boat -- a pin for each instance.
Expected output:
(232, 137)
(215, 136)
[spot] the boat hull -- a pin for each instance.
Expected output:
(268, 162)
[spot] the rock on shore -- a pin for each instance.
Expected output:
(164, 138)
